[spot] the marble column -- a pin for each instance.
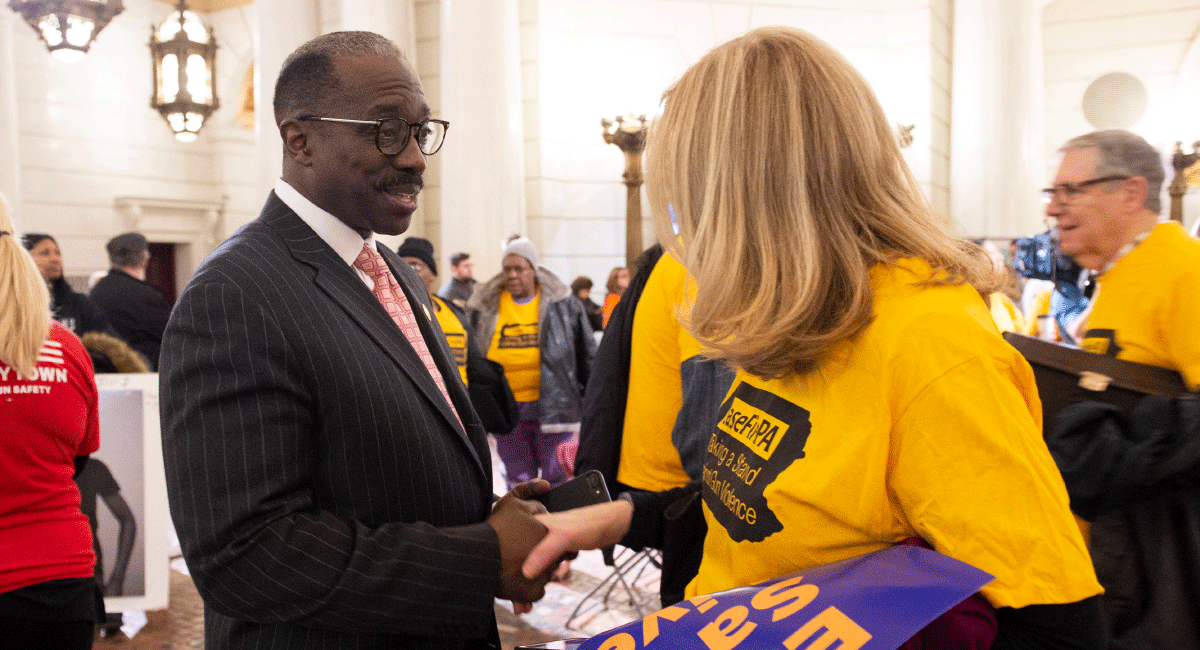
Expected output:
(280, 27)
(396, 20)
(997, 122)
(482, 165)
(10, 167)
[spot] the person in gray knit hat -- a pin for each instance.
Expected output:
(526, 319)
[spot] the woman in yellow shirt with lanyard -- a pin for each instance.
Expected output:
(874, 399)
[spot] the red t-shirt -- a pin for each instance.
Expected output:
(45, 421)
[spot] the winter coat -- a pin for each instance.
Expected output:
(75, 311)
(565, 341)
(1136, 477)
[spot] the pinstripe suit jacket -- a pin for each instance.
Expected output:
(324, 493)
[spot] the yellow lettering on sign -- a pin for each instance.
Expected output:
(730, 629)
(832, 626)
(790, 593)
(650, 623)
(753, 426)
(703, 603)
(622, 641)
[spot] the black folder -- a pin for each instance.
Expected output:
(1067, 375)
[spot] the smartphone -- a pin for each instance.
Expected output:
(584, 490)
(565, 644)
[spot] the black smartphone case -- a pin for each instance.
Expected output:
(584, 490)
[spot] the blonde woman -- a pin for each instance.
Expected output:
(875, 400)
(48, 401)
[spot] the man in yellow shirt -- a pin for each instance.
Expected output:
(526, 319)
(1105, 200)
(490, 395)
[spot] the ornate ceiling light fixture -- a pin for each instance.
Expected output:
(184, 54)
(67, 27)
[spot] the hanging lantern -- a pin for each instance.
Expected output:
(67, 27)
(184, 54)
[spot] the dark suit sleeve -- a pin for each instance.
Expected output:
(242, 437)
(91, 319)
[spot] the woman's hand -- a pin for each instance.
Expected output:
(580, 529)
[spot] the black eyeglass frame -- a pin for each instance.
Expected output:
(1071, 190)
(412, 128)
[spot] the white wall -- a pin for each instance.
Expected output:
(87, 134)
(585, 60)
(1154, 40)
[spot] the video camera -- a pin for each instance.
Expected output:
(1038, 257)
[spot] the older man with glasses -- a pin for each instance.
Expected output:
(1106, 203)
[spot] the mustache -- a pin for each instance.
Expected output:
(408, 183)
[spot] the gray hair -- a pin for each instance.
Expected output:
(1121, 153)
(308, 79)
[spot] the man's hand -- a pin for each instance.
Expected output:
(513, 520)
(530, 489)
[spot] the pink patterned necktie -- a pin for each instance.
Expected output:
(388, 291)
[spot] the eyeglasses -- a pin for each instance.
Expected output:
(392, 134)
(1066, 192)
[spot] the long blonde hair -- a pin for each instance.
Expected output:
(788, 185)
(24, 302)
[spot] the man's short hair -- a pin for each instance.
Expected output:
(308, 80)
(127, 250)
(581, 283)
(1121, 153)
(459, 258)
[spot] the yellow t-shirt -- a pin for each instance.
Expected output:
(515, 346)
(927, 424)
(1147, 305)
(456, 334)
(1041, 307)
(1005, 314)
(649, 460)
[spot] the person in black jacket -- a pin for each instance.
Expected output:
(581, 288)
(136, 308)
(489, 391)
(71, 308)
(1134, 477)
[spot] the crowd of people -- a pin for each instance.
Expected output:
(325, 412)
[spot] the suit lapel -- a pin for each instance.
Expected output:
(346, 291)
(418, 299)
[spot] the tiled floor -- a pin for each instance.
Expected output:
(588, 601)
(567, 610)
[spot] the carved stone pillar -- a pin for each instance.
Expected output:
(10, 172)
(997, 133)
(280, 26)
(1179, 184)
(629, 134)
(483, 161)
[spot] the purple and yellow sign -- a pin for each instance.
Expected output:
(874, 602)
